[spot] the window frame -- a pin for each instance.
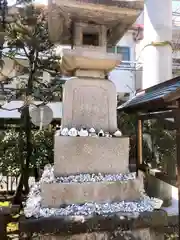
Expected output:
(123, 50)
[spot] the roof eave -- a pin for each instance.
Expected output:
(61, 13)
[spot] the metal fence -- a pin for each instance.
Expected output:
(8, 184)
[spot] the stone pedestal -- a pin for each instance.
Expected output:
(74, 155)
(57, 194)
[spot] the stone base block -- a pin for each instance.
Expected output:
(141, 234)
(159, 189)
(56, 194)
(73, 155)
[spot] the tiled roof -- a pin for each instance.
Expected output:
(152, 94)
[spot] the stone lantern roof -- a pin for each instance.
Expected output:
(116, 15)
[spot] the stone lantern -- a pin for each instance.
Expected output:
(91, 174)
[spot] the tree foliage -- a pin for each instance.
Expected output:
(42, 153)
(26, 38)
(159, 146)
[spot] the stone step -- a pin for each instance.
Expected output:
(109, 223)
(56, 194)
(139, 234)
(74, 155)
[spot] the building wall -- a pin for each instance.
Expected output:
(128, 78)
(175, 55)
(128, 75)
(123, 76)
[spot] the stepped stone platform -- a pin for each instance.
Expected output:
(133, 235)
(74, 155)
(56, 194)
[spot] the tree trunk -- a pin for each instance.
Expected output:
(28, 149)
(36, 174)
(17, 199)
(27, 123)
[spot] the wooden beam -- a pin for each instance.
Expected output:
(139, 141)
(159, 115)
(177, 120)
(168, 124)
(172, 96)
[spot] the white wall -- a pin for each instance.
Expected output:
(128, 41)
(175, 55)
(123, 76)
(123, 79)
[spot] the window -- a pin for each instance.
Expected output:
(91, 39)
(124, 51)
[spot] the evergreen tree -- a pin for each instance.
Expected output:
(27, 37)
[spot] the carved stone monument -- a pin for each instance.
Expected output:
(89, 101)
(89, 104)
